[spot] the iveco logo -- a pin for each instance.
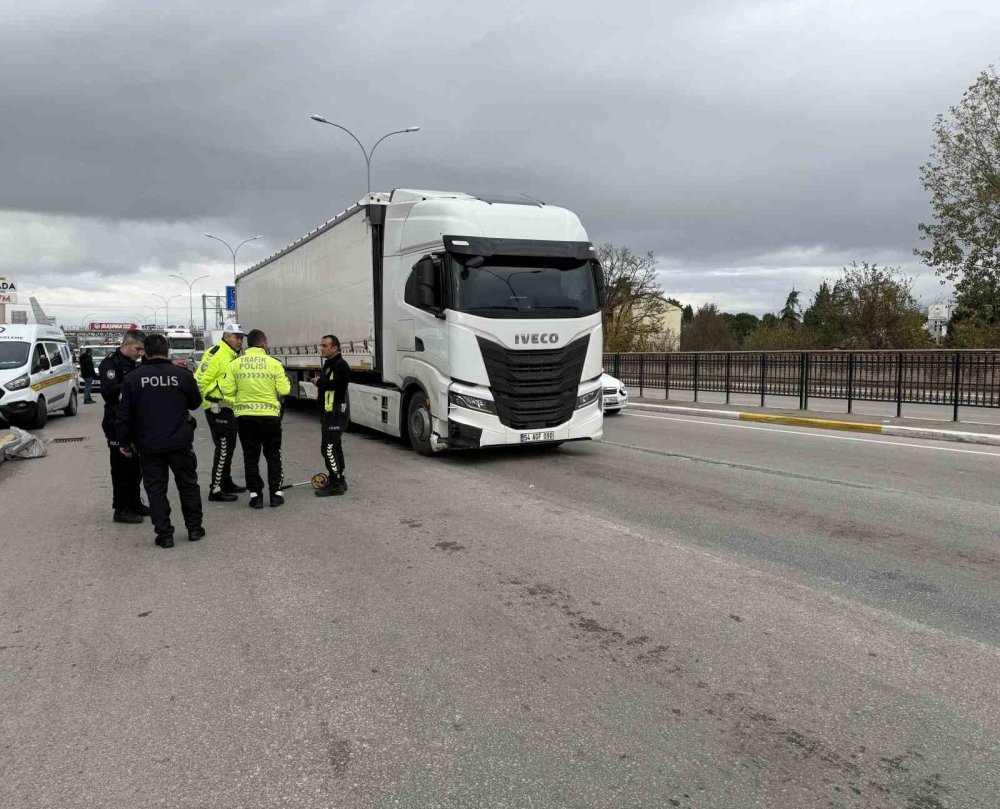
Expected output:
(548, 339)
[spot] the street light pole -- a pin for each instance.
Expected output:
(85, 317)
(233, 251)
(166, 305)
(190, 295)
(368, 154)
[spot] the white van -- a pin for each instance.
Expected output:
(37, 376)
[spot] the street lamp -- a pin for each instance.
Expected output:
(190, 295)
(368, 154)
(84, 318)
(166, 305)
(233, 250)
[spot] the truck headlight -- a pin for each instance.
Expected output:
(588, 398)
(18, 382)
(472, 403)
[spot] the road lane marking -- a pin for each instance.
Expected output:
(812, 434)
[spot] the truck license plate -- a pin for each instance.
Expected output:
(528, 438)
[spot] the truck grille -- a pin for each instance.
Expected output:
(534, 389)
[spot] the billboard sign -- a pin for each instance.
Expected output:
(96, 326)
(8, 290)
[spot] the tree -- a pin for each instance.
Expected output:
(973, 332)
(687, 313)
(633, 313)
(707, 331)
(742, 324)
(874, 307)
(822, 319)
(779, 335)
(790, 312)
(963, 177)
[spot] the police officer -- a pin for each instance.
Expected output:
(126, 475)
(153, 419)
(254, 383)
(332, 386)
(219, 411)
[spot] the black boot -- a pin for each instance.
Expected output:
(222, 496)
(230, 487)
(256, 500)
(334, 487)
(277, 498)
(194, 534)
(165, 541)
(142, 509)
(126, 516)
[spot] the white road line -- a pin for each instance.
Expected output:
(812, 434)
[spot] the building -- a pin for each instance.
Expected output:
(938, 316)
(670, 325)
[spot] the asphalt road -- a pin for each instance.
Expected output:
(693, 613)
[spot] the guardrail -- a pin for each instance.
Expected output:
(951, 378)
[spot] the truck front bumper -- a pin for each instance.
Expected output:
(470, 429)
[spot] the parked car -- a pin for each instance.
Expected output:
(613, 394)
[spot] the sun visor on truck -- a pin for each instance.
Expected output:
(540, 248)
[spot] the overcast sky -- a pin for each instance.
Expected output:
(751, 146)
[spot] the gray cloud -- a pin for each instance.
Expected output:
(728, 135)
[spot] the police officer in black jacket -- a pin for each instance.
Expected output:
(153, 418)
(332, 387)
(126, 476)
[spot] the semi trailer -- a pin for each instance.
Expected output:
(468, 321)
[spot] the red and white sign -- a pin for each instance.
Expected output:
(113, 326)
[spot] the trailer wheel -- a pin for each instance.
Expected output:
(418, 423)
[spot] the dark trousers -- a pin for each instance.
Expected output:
(184, 466)
(332, 446)
(223, 428)
(261, 433)
(88, 386)
(126, 479)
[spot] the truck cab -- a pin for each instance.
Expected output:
(497, 306)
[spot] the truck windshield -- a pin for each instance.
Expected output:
(13, 354)
(507, 286)
(181, 343)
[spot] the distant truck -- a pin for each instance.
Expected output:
(468, 321)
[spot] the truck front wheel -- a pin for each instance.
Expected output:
(418, 423)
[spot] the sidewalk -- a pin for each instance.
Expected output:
(904, 427)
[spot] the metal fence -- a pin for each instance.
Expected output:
(951, 378)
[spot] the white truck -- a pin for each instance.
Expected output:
(467, 321)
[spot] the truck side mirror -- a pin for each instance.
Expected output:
(428, 288)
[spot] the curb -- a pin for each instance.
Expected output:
(926, 433)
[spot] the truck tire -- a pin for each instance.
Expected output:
(41, 416)
(73, 406)
(418, 423)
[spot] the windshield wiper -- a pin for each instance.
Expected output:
(490, 308)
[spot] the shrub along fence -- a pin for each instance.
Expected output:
(951, 378)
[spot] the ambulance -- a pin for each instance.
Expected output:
(37, 375)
